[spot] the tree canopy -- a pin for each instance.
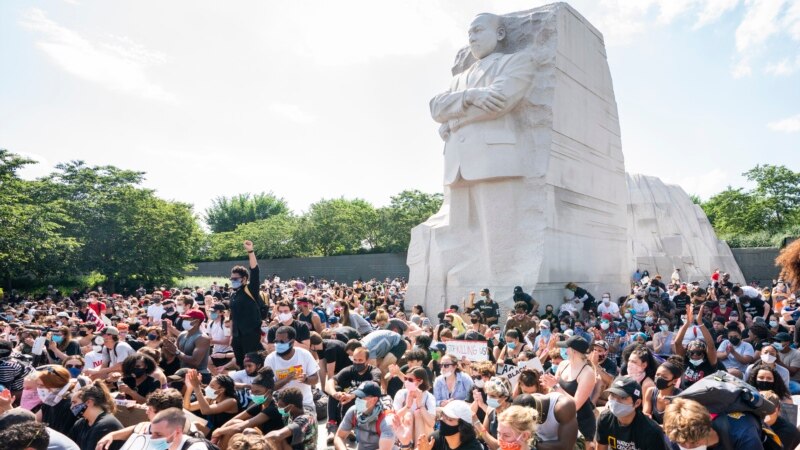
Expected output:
(226, 213)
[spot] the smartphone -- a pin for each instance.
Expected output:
(164, 326)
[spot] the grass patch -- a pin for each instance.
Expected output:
(203, 282)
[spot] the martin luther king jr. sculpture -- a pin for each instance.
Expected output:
(534, 182)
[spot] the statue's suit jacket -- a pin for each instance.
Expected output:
(483, 145)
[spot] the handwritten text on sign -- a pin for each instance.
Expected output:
(473, 350)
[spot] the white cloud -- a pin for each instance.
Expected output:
(291, 112)
(759, 23)
(713, 10)
(791, 21)
(784, 67)
(787, 125)
(118, 64)
(742, 68)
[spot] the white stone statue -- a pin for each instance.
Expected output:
(534, 183)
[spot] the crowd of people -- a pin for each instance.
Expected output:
(265, 363)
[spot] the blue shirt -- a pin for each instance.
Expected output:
(462, 388)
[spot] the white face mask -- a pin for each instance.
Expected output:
(97, 348)
(767, 358)
(179, 309)
(284, 317)
(210, 393)
(187, 325)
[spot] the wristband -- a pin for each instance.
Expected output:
(251, 251)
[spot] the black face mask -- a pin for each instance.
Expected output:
(82, 333)
(359, 367)
(474, 320)
(735, 341)
(139, 372)
(447, 430)
(765, 385)
(662, 383)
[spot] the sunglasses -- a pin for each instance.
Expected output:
(410, 379)
(697, 353)
(447, 365)
(235, 278)
(73, 366)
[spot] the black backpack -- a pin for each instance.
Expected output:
(194, 440)
(723, 393)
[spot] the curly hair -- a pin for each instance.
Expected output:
(778, 386)
(164, 399)
(25, 435)
(789, 260)
(686, 421)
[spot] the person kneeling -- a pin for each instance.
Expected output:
(300, 430)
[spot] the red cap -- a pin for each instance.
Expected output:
(607, 316)
(194, 314)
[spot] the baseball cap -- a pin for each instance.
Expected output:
(194, 314)
(783, 337)
(486, 290)
(458, 409)
(62, 314)
(517, 289)
(576, 343)
(626, 387)
(113, 331)
(368, 389)
(397, 323)
(439, 347)
(600, 343)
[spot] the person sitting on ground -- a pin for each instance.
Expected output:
(452, 384)
(658, 397)
(340, 388)
(138, 380)
(415, 405)
(786, 431)
(217, 402)
(156, 402)
(498, 396)
(167, 432)
(300, 430)
(688, 424)
(263, 413)
(622, 424)
(455, 430)
(25, 436)
(95, 408)
(516, 428)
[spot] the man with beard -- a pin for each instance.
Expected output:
(340, 387)
(294, 367)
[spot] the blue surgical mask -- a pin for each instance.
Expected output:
(493, 402)
(564, 354)
(283, 347)
(214, 316)
(664, 328)
(564, 327)
(778, 346)
(545, 331)
(74, 372)
(58, 339)
(512, 345)
(159, 444)
(236, 284)
(361, 405)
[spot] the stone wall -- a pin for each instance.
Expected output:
(346, 268)
(757, 263)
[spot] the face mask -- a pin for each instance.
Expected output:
(493, 402)
(478, 383)
(512, 345)
(58, 339)
(42, 393)
(765, 385)
(210, 393)
(661, 383)
(284, 317)
(83, 333)
(702, 447)
(447, 430)
(77, 410)
(474, 321)
(564, 354)
(411, 386)
(236, 284)
(545, 332)
(636, 372)
(180, 309)
(214, 316)
(139, 372)
(618, 409)
(258, 399)
(74, 372)
(513, 445)
(578, 329)
(563, 327)
(606, 300)
(735, 341)
(628, 316)
(187, 325)
(169, 309)
(159, 444)
(361, 405)
(767, 358)
(605, 325)
(283, 348)
(773, 323)
(447, 372)
(696, 362)
(648, 319)
(359, 367)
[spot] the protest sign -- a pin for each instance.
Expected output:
(473, 350)
(137, 442)
(509, 371)
(534, 364)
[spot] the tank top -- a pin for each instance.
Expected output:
(571, 387)
(658, 416)
(548, 430)
(307, 319)
(186, 345)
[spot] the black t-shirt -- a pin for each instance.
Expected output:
(610, 367)
(300, 329)
(345, 333)
(789, 434)
(86, 436)
(488, 309)
(171, 317)
(333, 352)
(350, 379)
(523, 297)
(169, 368)
(440, 443)
(693, 374)
(681, 300)
(149, 385)
(72, 348)
(59, 417)
(134, 343)
(642, 434)
(755, 307)
(274, 418)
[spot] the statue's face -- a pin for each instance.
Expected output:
(484, 34)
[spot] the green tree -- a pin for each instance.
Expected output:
(272, 238)
(127, 233)
(735, 211)
(225, 214)
(406, 210)
(337, 227)
(778, 191)
(31, 244)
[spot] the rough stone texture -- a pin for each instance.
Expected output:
(667, 231)
(573, 197)
(758, 263)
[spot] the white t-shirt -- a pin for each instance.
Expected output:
(300, 362)
(154, 312)
(751, 292)
(118, 354)
(216, 331)
(241, 377)
(93, 360)
(612, 309)
(744, 349)
(427, 399)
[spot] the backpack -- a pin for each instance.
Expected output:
(262, 307)
(723, 393)
(194, 440)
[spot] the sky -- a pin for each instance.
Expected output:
(321, 99)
